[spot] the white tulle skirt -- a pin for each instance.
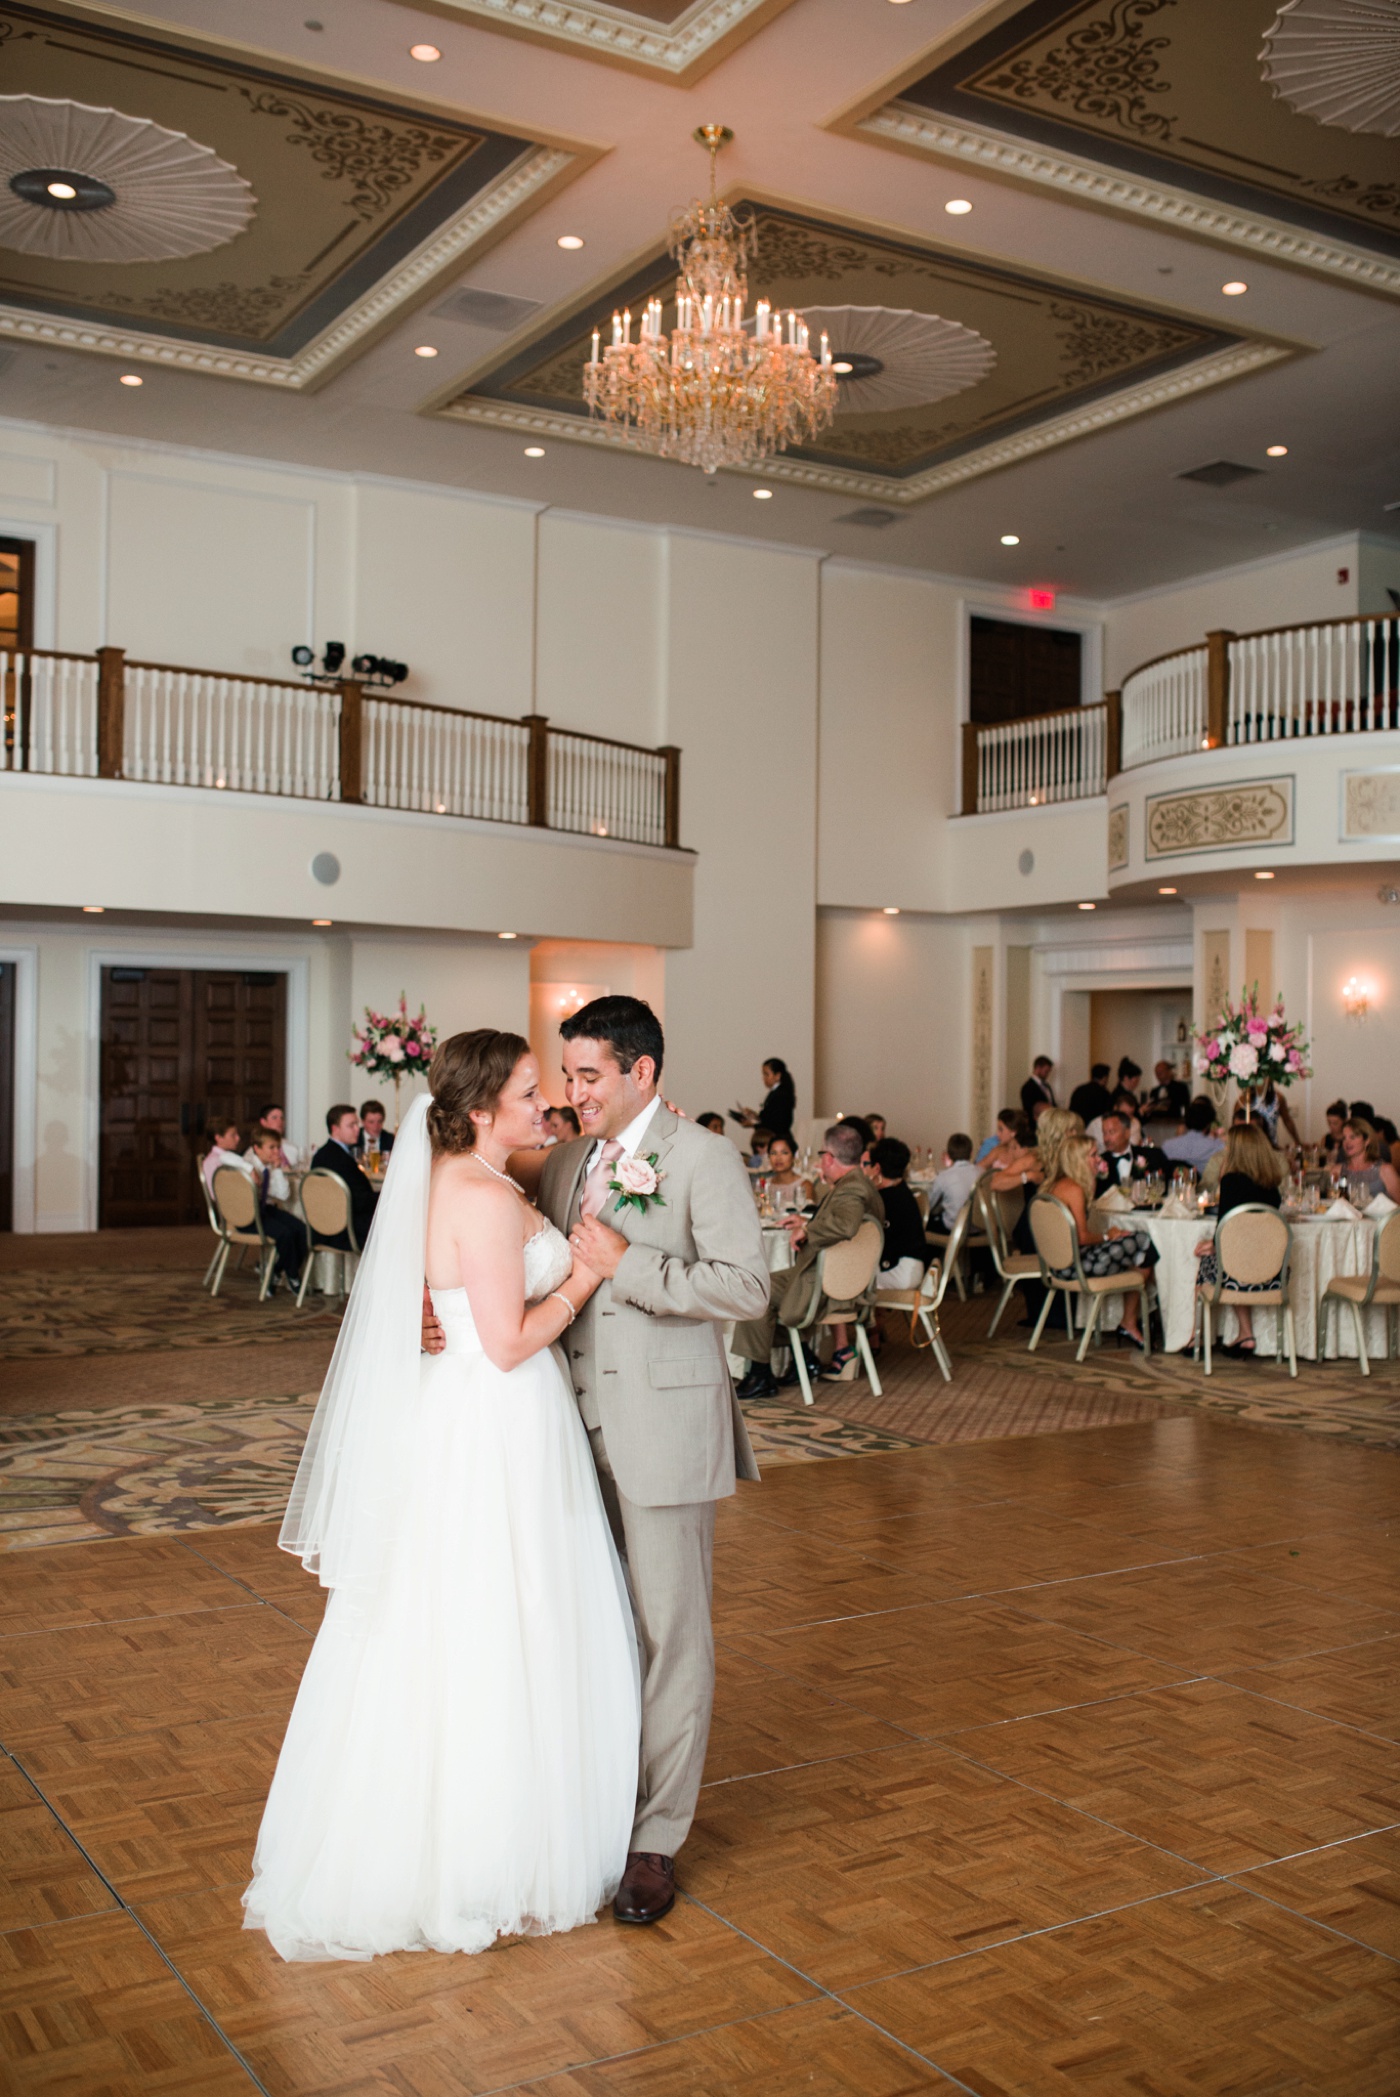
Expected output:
(461, 1762)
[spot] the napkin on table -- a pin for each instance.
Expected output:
(1380, 1205)
(1116, 1200)
(1176, 1208)
(1341, 1212)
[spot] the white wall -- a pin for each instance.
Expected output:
(894, 1020)
(602, 608)
(1286, 592)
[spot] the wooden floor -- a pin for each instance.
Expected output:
(1058, 1765)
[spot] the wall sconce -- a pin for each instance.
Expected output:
(1356, 998)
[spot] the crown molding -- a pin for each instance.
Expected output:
(405, 285)
(1214, 370)
(1090, 182)
(678, 51)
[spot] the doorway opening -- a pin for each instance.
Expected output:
(180, 1048)
(1147, 1026)
(1017, 671)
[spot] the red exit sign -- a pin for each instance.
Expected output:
(1042, 600)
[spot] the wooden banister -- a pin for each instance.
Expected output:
(1113, 734)
(1217, 685)
(111, 711)
(969, 767)
(673, 794)
(537, 772)
(352, 728)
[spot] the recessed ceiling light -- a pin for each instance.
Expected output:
(763, 494)
(569, 240)
(425, 349)
(534, 451)
(957, 207)
(131, 378)
(1233, 289)
(62, 190)
(93, 909)
(426, 54)
(1166, 891)
(507, 935)
(891, 910)
(1010, 539)
(1276, 451)
(1262, 874)
(843, 367)
(1088, 906)
(322, 921)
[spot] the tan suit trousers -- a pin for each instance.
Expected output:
(668, 1552)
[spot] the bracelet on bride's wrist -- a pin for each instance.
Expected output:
(562, 1298)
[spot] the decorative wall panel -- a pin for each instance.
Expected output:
(983, 960)
(1371, 806)
(1215, 975)
(1118, 837)
(1235, 818)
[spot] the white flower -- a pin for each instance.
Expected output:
(1244, 1060)
(636, 1176)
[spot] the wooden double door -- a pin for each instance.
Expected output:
(180, 1048)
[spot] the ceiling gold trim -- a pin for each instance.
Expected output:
(1089, 182)
(1215, 370)
(404, 286)
(679, 52)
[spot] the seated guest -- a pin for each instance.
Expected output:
(225, 1144)
(1125, 1103)
(274, 1119)
(905, 1256)
(1013, 1135)
(1169, 1097)
(711, 1121)
(1070, 1178)
(1197, 1143)
(337, 1155)
(1120, 1159)
(1365, 1164)
(758, 1156)
(1332, 1141)
(1090, 1100)
(1036, 1089)
(1362, 1110)
(1250, 1172)
(846, 1201)
(261, 1161)
(951, 1189)
(786, 1187)
(561, 1125)
(373, 1134)
(877, 1126)
(1015, 1163)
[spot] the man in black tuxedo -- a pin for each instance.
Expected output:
(337, 1155)
(1122, 1160)
(1037, 1091)
(1092, 1098)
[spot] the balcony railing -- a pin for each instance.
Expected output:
(1028, 763)
(100, 716)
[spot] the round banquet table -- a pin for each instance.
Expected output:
(1322, 1246)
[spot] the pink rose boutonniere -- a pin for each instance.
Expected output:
(635, 1182)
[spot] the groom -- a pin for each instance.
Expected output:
(650, 1372)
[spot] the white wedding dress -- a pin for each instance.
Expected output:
(461, 1763)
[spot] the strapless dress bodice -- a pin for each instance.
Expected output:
(548, 1262)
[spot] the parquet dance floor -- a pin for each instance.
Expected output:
(1064, 1764)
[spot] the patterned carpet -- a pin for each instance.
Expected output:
(137, 1405)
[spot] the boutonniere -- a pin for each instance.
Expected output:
(635, 1182)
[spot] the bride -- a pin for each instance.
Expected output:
(461, 1763)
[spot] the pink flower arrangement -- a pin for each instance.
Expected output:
(1254, 1047)
(392, 1045)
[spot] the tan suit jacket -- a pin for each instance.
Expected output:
(841, 1211)
(646, 1351)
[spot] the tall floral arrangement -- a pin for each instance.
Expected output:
(395, 1045)
(1254, 1047)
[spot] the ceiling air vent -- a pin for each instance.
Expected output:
(1222, 474)
(495, 310)
(872, 520)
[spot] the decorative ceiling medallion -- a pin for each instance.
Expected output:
(165, 196)
(1338, 61)
(917, 357)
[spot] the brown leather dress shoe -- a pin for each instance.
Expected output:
(648, 1889)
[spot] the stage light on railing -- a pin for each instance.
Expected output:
(379, 669)
(333, 658)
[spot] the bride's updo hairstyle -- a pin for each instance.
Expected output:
(469, 1072)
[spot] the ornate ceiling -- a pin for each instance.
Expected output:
(1067, 358)
(363, 205)
(674, 39)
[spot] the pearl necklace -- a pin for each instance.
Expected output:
(497, 1175)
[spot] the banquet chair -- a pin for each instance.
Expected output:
(1011, 1266)
(1381, 1286)
(922, 1305)
(952, 1245)
(325, 1203)
(1252, 1245)
(1057, 1244)
(844, 1274)
(216, 1223)
(236, 1199)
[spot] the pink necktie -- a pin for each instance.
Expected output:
(595, 1187)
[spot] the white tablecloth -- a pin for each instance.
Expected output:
(1321, 1248)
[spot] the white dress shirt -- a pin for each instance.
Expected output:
(630, 1138)
(278, 1185)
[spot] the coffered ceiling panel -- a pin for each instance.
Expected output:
(361, 203)
(1172, 94)
(1063, 354)
(676, 39)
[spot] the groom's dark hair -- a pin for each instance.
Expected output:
(628, 1025)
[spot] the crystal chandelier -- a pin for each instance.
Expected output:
(717, 390)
